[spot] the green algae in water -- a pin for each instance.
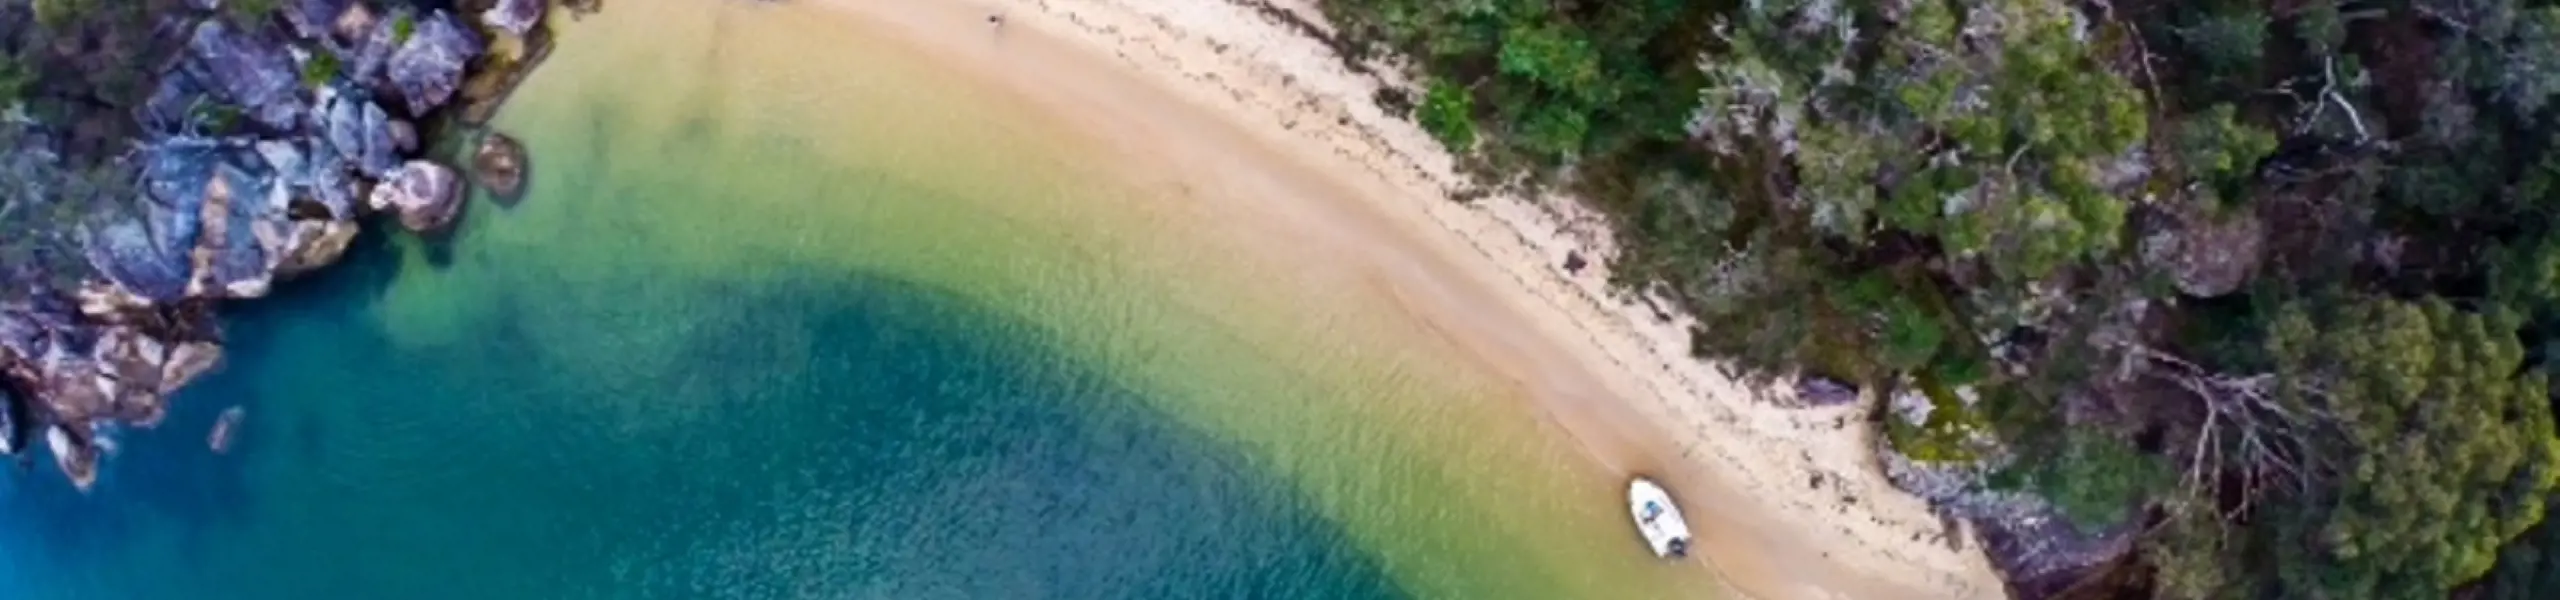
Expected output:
(835, 437)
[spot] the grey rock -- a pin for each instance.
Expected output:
(379, 38)
(314, 19)
(301, 246)
(249, 70)
(428, 67)
(359, 132)
(12, 439)
(1824, 391)
(73, 453)
(145, 255)
(175, 103)
(515, 16)
(231, 263)
(424, 194)
(499, 165)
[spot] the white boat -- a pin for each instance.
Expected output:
(1658, 519)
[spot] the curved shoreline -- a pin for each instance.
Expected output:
(1717, 442)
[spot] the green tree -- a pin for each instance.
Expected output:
(2441, 450)
(1449, 114)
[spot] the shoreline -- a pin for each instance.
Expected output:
(1741, 463)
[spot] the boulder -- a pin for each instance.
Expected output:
(359, 131)
(229, 261)
(74, 455)
(252, 71)
(314, 19)
(499, 165)
(516, 17)
(426, 195)
(301, 246)
(12, 417)
(428, 66)
(143, 255)
(1816, 390)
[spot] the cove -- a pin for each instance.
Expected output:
(786, 306)
(902, 446)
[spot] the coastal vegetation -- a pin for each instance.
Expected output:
(2268, 292)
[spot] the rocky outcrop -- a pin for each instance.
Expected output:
(2036, 548)
(261, 139)
(2204, 254)
(425, 195)
(428, 67)
(499, 166)
(250, 69)
(516, 17)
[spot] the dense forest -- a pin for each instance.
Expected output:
(2274, 284)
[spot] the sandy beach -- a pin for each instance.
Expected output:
(1788, 501)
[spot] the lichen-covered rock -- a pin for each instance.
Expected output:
(252, 72)
(499, 165)
(424, 194)
(515, 17)
(429, 65)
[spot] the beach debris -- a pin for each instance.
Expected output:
(424, 194)
(226, 428)
(499, 166)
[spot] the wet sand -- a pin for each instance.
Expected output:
(1285, 149)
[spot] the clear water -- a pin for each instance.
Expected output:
(784, 323)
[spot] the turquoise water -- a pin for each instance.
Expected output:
(776, 323)
(899, 443)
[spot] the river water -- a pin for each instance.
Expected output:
(792, 313)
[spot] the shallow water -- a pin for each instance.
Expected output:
(778, 322)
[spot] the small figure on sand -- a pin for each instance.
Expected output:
(996, 20)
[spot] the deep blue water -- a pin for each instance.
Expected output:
(835, 437)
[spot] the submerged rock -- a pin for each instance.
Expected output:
(426, 195)
(499, 165)
(12, 440)
(515, 17)
(73, 453)
(428, 67)
(225, 429)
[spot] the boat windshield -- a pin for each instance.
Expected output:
(1652, 509)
